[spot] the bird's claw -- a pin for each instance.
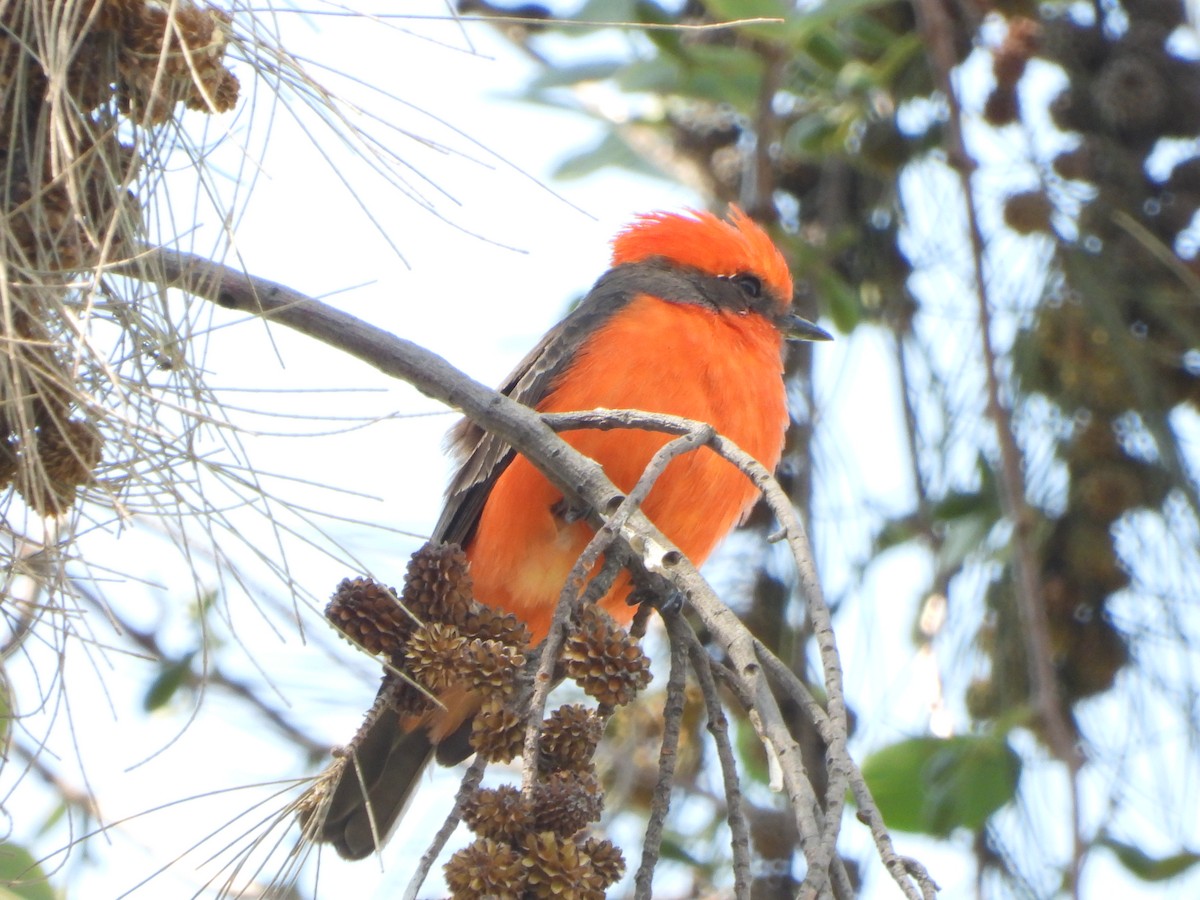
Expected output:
(663, 596)
(568, 512)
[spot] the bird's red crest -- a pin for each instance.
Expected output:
(705, 242)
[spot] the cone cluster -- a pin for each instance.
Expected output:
(152, 56)
(1125, 92)
(434, 633)
(48, 448)
(134, 59)
(545, 830)
(436, 638)
(65, 453)
(76, 78)
(535, 846)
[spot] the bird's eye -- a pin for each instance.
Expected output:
(751, 285)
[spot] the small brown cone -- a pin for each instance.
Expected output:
(567, 802)
(370, 615)
(498, 733)
(1077, 164)
(498, 813)
(554, 866)
(1002, 107)
(569, 739)
(437, 586)
(604, 660)
(608, 864)
(432, 655)
(66, 459)
(1131, 94)
(1028, 212)
(486, 868)
(491, 667)
(491, 624)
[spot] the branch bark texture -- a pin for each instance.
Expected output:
(616, 517)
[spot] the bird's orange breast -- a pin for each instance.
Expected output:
(722, 368)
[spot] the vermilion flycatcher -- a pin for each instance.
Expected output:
(690, 321)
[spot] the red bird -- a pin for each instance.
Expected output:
(690, 321)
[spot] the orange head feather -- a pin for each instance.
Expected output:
(703, 241)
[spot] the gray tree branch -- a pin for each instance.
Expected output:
(585, 484)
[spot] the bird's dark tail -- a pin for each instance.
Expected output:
(381, 769)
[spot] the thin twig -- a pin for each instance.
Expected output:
(821, 854)
(718, 727)
(582, 481)
(900, 867)
(543, 679)
(213, 676)
(541, 22)
(910, 429)
(573, 588)
(758, 181)
(796, 689)
(660, 802)
(70, 795)
(938, 31)
(469, 784)
(767, 719)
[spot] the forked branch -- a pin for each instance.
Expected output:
(618, 521)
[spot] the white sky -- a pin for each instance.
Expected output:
(481, 306)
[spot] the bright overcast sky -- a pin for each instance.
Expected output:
(477, 303)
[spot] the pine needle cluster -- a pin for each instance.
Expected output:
(78, 82)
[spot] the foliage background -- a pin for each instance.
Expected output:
(952, 600)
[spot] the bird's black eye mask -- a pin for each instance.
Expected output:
(742, 292)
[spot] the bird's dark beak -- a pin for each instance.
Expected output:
(796, 328)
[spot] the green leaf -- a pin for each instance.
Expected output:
(607, 11)
(654, 75)
(566, 76)
(56, 815)
(893, 775)
(871, 35)
(207, 601)
(751, 755)
(966, 519)
(961, 538)
(667, 40)
(901, 51)
(749, 9)
(958, 504)
(783, 33)
(934, 785)
(720, 74)
(970, 778)
(1150, 868)
(797, 29)
(827, 53)
(811, 137)
(611, 151)
(838, 299)
(21, 876)
(673, 850)
(895, 533)
(6, 708)
(170, 678)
